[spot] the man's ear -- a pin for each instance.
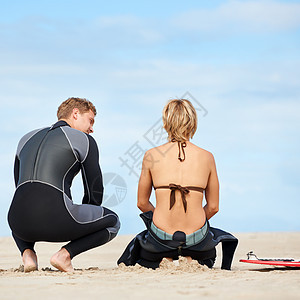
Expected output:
(75, 113)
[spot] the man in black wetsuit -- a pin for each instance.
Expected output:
(46, 162)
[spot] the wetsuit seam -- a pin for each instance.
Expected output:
(108, 215)
(23, 183)
(39, 181)
(71, 146)
(86, 222)
(86, 182)
(64, 197)
(77, 160)
(63, 181)
(21, 148)
(88, 148)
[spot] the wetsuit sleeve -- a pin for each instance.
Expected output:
(16, 170)
(92, 176)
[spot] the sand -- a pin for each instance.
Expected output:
(98, 277)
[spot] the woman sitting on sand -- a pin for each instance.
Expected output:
(181, 174)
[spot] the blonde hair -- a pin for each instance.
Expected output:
(180, 120)
(65, 109)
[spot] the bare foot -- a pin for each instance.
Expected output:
(188, 259)
(166, 263)
(29, 260)
(169, 258)
(62, 261)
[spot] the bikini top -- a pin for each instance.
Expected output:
(183, 189)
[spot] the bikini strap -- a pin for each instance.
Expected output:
(183, 190)
(181, 145)
(195, 188)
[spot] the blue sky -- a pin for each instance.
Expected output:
(239, 59)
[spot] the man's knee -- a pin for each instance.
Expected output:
(113, 230)
(113, 217)
(117, 226)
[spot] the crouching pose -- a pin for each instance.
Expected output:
(46, 162)
(181, 174)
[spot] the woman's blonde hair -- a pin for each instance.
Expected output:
(180, 120)
(65, 109)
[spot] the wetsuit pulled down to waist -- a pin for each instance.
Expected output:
(150, 246)
(187, 240)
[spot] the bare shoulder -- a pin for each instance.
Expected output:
(157, 150)
(154, 155)
(149, 153)
(204, 154)
(149, 157)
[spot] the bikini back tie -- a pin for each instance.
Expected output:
(183, 190)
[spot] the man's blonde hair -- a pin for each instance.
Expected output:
(65, 109)
(180, 120)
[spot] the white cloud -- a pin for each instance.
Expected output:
(237, 16)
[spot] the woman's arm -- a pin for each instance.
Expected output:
(145, 185)
(212, 190)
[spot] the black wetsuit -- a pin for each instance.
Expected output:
(46, 162)
(147, 249)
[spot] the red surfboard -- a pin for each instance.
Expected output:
(284, 262)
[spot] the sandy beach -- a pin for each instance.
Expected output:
(98, 277)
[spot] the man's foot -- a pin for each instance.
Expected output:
(62, 261)
(29, 260)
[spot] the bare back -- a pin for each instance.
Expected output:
(197, 169)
